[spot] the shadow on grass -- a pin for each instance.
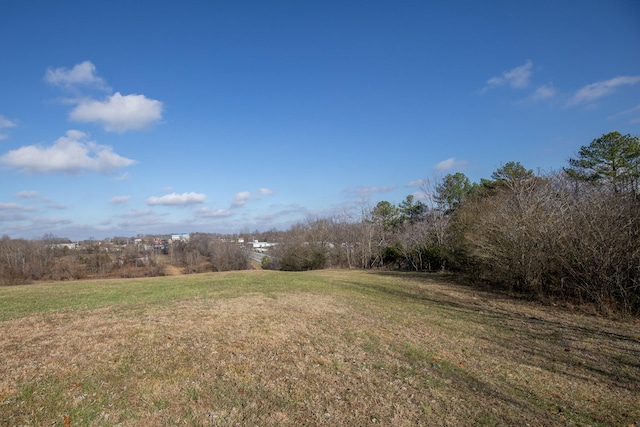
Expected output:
(552, 339)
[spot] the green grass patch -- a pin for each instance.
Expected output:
(25, 300)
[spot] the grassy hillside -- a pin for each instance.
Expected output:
(315, 348)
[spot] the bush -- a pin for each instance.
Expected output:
(551, 237)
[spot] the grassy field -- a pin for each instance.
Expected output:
(316, 348)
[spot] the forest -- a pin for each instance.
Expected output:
(571, 235)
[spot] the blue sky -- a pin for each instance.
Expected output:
(124, 118)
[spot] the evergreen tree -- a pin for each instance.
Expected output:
(451, 191)
(511, 174)
(411, 211)
(613, 161)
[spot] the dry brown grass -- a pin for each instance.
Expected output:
(172, 270)
(346, 348)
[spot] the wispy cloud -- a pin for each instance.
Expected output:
(83, 74)
(597, 90)
(422, 184)
(120, 199)
(72, 153)
(141, 220)
(367, 192)
(266, 191)
(283, 213)
(124, 177)
(49, 222)
(516, 78)
(137, 213)
(417, 183)
(544, 92)
(450, 164)
(209, 213)
(11, 216)
(33, 195)
(632, 115)
(175, 199)
(14, 207)
(27, 194)
(4, 124)
(240, 199)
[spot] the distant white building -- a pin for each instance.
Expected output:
(261, 246)
(176, 237)
(67, 245)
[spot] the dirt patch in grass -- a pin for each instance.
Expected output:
(172, 270)
(388, 350)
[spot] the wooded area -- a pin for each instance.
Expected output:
(570, 235)
(565, 235)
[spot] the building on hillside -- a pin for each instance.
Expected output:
(261, 246)
(176, 237)
(75, 245)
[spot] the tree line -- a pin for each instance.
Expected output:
(24, 261)
(572, 235)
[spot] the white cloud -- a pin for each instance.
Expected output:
(5, 123)
(516, 78)
(72, 153)
(449, 164)
(366, 192)
(632, 115)
(266, 191)
(208, 213)
(11, 216)
(137, 214)
(544, 92)
(421, 195)
(49, 222)
(240, 199)
(445, 164)
(13, 212)
(285, 214)
(14, 207)
(594, 91)
(119, 113)
(120, 199)
(81, 74)
(27, 194)
(124, 177)
(175, 199)
(417, 183)
(633, 110)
